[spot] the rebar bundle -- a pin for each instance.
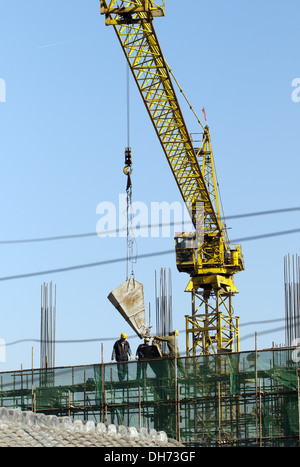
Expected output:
(48, 326)
(163, 304)
(292, 298)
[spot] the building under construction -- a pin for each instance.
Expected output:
(226, 399)
(215, 395)
(236, 399)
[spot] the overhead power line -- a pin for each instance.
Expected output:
(140, 256)
(263, 213)
(49, 239)
(116, 231)
(82, 266)
(268, 235)
(134, 336)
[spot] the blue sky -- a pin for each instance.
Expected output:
(63, 133)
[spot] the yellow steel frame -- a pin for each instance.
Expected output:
(192, 169)
(206, 162)
(148, 7)
(212, 325)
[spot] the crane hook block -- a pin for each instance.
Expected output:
(128, 162)
(127, 170)
(128, 157)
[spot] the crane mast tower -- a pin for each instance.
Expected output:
(205, 254)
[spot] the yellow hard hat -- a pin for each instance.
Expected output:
(176, 332)
(123, 335)
(147, 339)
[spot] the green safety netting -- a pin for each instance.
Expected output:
(236, 399)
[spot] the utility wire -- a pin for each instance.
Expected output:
(82, 266)
(140, 256)
(50, 239)
(268, 235)
(134, 336)
(263, 213)
(65, 370)
(116, 231)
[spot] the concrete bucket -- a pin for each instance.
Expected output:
(129, 300)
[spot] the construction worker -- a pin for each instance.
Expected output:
(172, 344)
(121, 352)
(139, 351)
(171, 341)
(140, 356)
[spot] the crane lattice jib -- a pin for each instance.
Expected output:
(133, 25)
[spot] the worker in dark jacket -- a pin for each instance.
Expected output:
(121, 352)
(140, 356)
(140, 350)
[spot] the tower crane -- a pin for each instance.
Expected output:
(205, 254)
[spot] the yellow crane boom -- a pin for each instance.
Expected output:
(140, 44)
(206, 254)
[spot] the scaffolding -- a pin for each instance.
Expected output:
(232, 399)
